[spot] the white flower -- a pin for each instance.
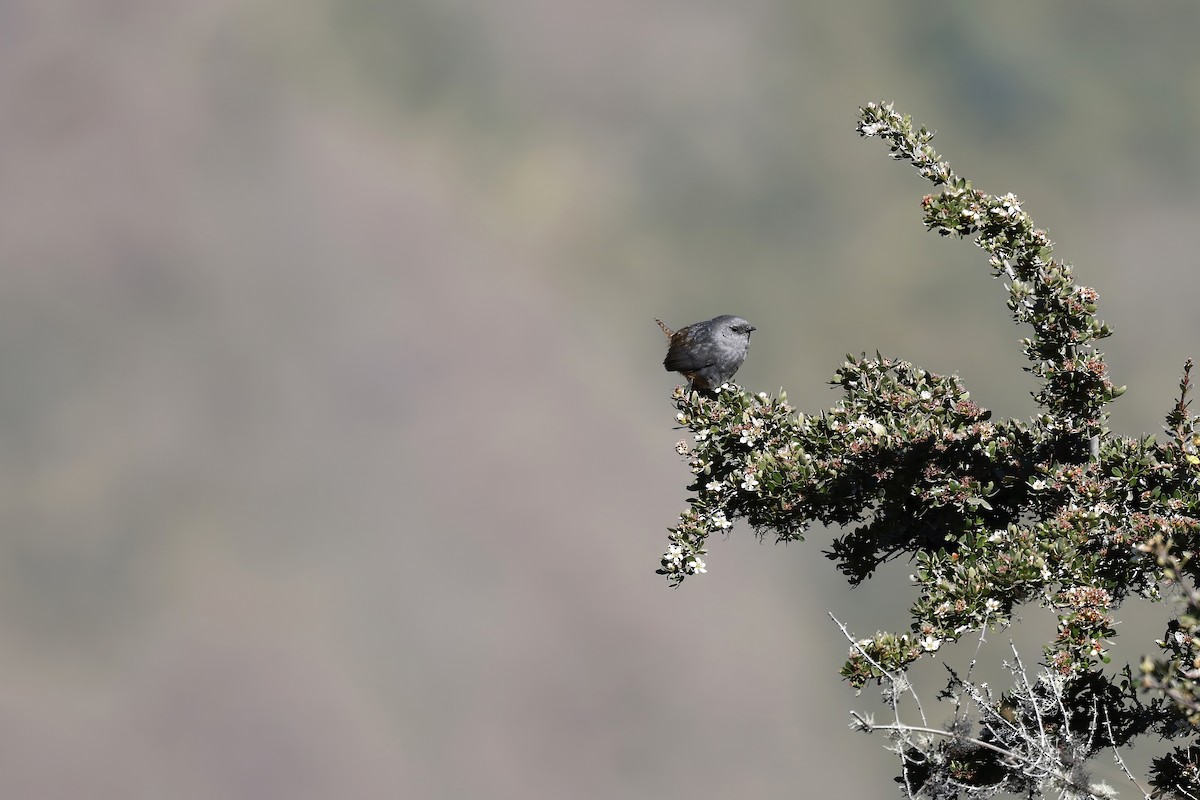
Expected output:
(930, 643)
(751, 433)
(713, 486)
(697, 567)
(702, 434)
(682, 447)
(997, 536)
(1038, 485)
(721, 521)
(681, 417)
(750, 484)
(992, 605)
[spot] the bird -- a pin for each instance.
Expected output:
(707, 353)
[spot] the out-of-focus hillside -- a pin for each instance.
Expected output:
(335, 446)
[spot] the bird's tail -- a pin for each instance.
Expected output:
(665, 329)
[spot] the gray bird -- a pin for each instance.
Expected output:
(708, 353)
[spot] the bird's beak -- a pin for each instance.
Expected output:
(753, 329)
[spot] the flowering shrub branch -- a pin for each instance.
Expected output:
(995, 514)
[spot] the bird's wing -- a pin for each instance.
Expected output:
(691, 358)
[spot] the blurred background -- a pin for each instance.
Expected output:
(337, 453)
